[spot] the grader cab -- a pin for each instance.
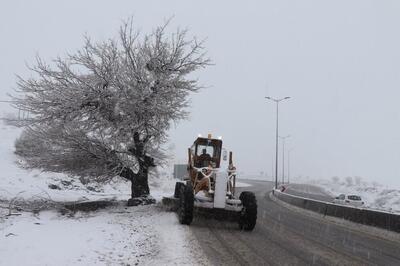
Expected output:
(204, 158)
(209, 186)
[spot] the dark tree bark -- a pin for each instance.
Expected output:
(140, 184)
(139, 180)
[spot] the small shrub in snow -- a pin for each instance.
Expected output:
(349, 181)
(335, 179)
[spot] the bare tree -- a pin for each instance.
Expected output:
(106, 109)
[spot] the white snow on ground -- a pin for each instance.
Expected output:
(120, 236)
(375, 195)
(242, 184)
(144, 235)
(30, 184)
(309, 189)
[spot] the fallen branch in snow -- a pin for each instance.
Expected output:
(13, 214)
(87, 206)
(34, 204)
(10, 205)
(43, 201)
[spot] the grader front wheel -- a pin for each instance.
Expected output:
(186, 204)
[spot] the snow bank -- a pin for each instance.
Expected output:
(121, 236)
(242, 184)
(375, 195)
(33, 184)
(29, 184)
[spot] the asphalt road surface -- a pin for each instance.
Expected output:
(286, 237)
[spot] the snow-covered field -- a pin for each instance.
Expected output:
(242, 184)
(33, 184)
(143, 235)
(119, 236)
(375, 195)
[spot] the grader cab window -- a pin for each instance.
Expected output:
(207, 151)
(201, 149)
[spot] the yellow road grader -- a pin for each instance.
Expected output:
(209, 186)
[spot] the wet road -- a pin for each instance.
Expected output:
(286, 237)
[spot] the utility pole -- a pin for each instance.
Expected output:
(283, 157)
(277, 101)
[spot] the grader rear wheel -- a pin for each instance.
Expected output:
(178, 187)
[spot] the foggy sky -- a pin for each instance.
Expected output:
(338, 60)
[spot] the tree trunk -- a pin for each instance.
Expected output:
(140, 184)
(139, 187)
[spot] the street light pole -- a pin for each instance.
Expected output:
(283, 157)
(277, 134)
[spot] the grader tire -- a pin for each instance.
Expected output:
(248, 215)
(186, 204)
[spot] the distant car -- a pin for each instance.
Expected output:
(352, 200)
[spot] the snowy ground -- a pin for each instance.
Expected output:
(375, 195)
(242, 184)
(33, 184)
(119, 236)
(144, 235)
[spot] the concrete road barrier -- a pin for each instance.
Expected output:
(381, 219)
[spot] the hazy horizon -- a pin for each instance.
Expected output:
(338, 61)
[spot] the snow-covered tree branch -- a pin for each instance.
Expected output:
(106, 109)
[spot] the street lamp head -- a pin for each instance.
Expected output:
(268, 97)
(287, 97)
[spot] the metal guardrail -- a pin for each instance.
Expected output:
(381, 219)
